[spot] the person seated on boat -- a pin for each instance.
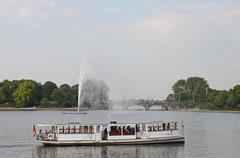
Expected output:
(119, 129)
(149, 128)
(128, 129)
(40, 131)
(175, 125)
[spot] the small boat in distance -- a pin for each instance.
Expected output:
(114, 133)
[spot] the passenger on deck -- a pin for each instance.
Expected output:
(119, 129)
(105, 133)
(128, 128)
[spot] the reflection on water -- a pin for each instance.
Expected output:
(150, 151)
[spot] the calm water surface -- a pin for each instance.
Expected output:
(208, 135)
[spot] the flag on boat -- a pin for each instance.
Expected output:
(34, 131)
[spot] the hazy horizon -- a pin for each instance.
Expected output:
(139, 48)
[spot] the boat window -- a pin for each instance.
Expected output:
(65, 129)
(160, 128)
(61, 129)
(85, 129)
(54, 129)
(73, 129)
(164, 126)
(150, 128)
(91, 130)
(143, 127)
(176, 125)
(80, 129)
(168, 126)
(155, 128)
(172, 126)
(68, 130)
(127, 130)
(98, 129)
(115, 130)
(137, 128)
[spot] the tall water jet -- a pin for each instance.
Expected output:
(82, 75)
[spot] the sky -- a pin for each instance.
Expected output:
(140, 48)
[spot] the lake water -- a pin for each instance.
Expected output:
(208, 135)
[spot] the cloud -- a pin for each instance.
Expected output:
(25, 9)
(185, 23)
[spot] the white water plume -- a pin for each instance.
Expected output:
(82, 75)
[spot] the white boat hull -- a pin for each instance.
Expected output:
(175, 139)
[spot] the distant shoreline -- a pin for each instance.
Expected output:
(74, 109)
(38, 109)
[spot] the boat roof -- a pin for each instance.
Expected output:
(111, 123)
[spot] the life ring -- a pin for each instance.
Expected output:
(50, 136)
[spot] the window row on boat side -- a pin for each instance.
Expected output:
(166, 126)
(79, 129)
(119, 129)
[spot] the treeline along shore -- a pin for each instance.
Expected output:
(191, 93)
(195, 92)
(25, 94)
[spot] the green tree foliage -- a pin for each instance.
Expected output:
(197, 91)
(197, 88)
(8, 87)
(2, 96)
(194, 89)
(236, 94)
(28, 93)
(64, 96)
(94, 94)
(170, 98)
(44, 102)
(75, 94)
(221, 99)
(47, 89)
(31, 93)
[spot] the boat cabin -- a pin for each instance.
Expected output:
(105, 132)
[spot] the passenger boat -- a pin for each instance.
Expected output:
(113, 133)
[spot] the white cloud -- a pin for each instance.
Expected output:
(25, 9)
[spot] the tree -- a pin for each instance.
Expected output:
(170, 98)
(44, 102)
(197, 87)
(2, 96)
(75, 94)
(230, 100)
(194, 88)
(94, 94)
(47, 89)
(179, 88)
(236, 95)
(64, 96)
(8, 87)
(28, 93)
(221, 99)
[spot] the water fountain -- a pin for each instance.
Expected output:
(82, 76)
